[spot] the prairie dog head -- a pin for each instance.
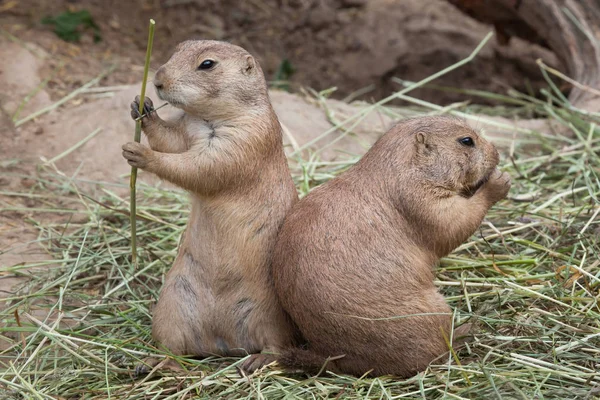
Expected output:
(452, 156)
(212, 80)
(441, 155)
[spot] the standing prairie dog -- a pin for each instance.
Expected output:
(225, 148)
(354, 261)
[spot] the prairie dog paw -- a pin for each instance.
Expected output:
(137, 155)
(148, 111)
(257, 361)
(499, 183)
(503, 179)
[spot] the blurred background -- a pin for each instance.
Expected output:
(359, 47)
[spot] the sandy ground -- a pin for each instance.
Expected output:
(347, 44)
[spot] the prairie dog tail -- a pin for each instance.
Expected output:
(463, 334)
(308, 361)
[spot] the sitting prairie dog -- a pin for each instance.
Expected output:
(353, 264)
(226, 150)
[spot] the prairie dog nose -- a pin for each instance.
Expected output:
(158, 78)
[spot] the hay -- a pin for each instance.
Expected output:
(529, 279)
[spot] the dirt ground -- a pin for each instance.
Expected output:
(349, 44)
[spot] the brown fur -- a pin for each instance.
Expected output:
(353, 264)
(225, 149)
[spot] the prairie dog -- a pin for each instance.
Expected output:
(353, 264)
(226, 150)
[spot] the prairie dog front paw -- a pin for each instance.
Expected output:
(137, 155)
(149, 114)
(498, 185)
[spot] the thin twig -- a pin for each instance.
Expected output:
(137, 138)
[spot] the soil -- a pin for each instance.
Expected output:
(349, 44)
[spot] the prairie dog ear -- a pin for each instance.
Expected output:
(421, 143)
(249, 65)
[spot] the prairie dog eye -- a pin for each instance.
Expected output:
(207, 64)
(467, 141)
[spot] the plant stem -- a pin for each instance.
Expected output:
(137, 137)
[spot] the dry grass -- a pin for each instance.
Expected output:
(529, 279)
